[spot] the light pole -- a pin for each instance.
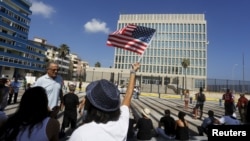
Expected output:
(233, 74)
(93, 74)
(121, 77)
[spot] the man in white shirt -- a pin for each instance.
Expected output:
(15, 85)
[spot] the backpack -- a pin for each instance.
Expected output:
(201, 97)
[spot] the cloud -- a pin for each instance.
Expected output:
(95, 26)
(40, 8)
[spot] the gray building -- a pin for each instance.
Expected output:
(177, 37)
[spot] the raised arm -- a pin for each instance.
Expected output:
(131, 84)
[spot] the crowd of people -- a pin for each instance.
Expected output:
(103, 111)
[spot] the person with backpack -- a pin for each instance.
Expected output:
(210, 120)
(228, 101)
(200, 100)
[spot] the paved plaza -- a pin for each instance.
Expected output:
(157, 106)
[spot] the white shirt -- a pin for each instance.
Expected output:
(52, 86)
(111, 131)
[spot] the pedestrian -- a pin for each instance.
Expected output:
(200, 100)
(82, 113)
(210, 120)
(15, 85)
(136, 93)
(248, 113)
(106, 118)
(144, 126)
(228, 98)
(186, 99)
(181, 127)
(80, 86)
(31, 121)
(52, 83)
(70, 104)
(168, 122)
(242, 107)
(28, 86)
(4, 91)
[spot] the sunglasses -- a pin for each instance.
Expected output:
(54, 70)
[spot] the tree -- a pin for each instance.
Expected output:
(98, 64)
(185, 63)
(63, 52)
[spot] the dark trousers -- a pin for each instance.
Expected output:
(229, 106)
(15, 97)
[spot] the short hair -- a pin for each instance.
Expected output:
(72, 88)
(51, 62)
(201, 89)
(210, 113)
(167, 112)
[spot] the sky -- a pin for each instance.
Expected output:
(84, 26)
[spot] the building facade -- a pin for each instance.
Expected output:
(177, 37)
(18, 55)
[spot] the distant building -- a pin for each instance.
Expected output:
(18, 55)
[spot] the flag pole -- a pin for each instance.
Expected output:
(139, 59)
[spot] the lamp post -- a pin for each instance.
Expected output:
(233, 75)
(121, 77)
(93, 74)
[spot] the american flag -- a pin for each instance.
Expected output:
(132, 37)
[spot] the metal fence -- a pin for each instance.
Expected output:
(219, 85)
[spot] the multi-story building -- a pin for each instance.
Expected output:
(177, 37)
(71, 66)
(79, 67)
(52, 53)
(18, 55)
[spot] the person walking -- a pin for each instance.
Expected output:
(82, 113)
(228, 98)
(136, 93)
(52, 83)
(181, 127)
(168, 122)
(242, 107)
(14, 86)
(31, 121)
(144, 126)
(200, 100)
(80, 86)
(106, 118)
(186, 99)
(71, 103)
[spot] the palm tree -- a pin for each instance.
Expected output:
(63, 52)
(185, 63)
(98, 64)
